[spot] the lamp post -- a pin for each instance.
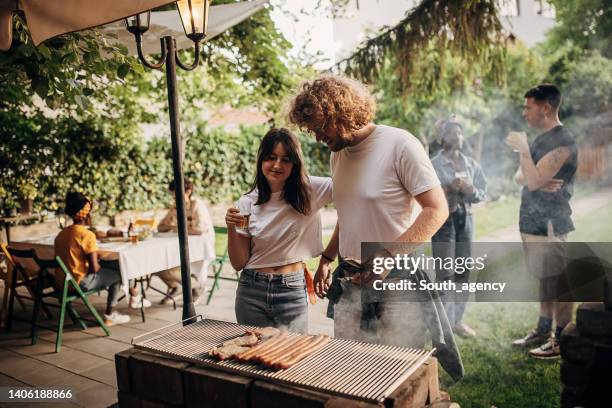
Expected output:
(194, 16)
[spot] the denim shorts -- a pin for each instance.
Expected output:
(279, 300)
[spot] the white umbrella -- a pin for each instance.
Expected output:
(49, 18)
(163, 23)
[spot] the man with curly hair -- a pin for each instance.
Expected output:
(378, 172)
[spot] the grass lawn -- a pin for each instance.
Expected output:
(496, 215)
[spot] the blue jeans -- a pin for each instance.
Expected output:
(265, 299)
(109, 278)
(454, 239)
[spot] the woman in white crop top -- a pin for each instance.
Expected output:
(284, 230)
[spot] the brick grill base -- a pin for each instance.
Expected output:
(147, 380)
(586, 352)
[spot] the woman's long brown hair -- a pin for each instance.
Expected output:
(296, 191)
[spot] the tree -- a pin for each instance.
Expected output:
(585, 23)
(469, 29)
(70, 109)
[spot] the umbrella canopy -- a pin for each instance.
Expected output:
(50, 18)
(163, 23)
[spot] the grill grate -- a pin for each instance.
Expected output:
(365, 371)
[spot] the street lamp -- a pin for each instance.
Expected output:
(194, 16)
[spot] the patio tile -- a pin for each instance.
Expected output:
(104, 347)
(97, 396)
(120, 332)
(105, 374)
(69, 359)
(6, 381)
(16, 365)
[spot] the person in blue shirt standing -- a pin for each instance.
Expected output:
(464, 184)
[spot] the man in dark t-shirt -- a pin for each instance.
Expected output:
(546, 172)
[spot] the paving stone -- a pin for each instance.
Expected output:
(97, 396)
(105, 373)
(104, 347)
(72, 360)
(16, 365)
(6, 381)
(120, 332)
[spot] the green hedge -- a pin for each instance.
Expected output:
(121, 170)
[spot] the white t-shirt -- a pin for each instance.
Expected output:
(374, 185)
(279, 234)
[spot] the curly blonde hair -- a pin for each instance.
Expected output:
(332, 100)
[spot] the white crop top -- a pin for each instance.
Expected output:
(279, 234)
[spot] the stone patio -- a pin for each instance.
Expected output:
(86, 361)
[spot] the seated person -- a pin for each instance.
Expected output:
(77, 247)
(199, 222)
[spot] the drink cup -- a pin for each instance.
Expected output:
(245, 213)
(514, 132)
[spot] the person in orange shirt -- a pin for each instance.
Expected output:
(76, 245)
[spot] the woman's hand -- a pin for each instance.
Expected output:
(232, 219)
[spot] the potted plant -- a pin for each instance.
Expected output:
(27, 194)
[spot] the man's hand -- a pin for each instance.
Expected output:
(518, 141)
(463, 185)
(322, 278)
(552, 186)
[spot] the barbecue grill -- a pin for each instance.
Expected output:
(347, 368)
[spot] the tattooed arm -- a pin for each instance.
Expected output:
(540, 175)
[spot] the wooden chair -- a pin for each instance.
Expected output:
(217, 267)
(70, 292)
(17, 277)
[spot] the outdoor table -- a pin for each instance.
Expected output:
(155, 254)
(7, 222)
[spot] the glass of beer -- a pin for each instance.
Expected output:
(245, 213)
(511, 133)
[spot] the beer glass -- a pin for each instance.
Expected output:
(510, 133)
(245, 213)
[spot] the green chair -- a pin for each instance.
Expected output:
(69, 293)
(217, 266)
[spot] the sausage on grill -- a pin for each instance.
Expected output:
(311, 348)
(287, 349)
(247, 355)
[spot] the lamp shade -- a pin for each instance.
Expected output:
(194, 15)
(138, 23)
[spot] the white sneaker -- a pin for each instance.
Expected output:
(136, 302)
(115, 318)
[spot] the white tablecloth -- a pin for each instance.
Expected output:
(155, 254)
